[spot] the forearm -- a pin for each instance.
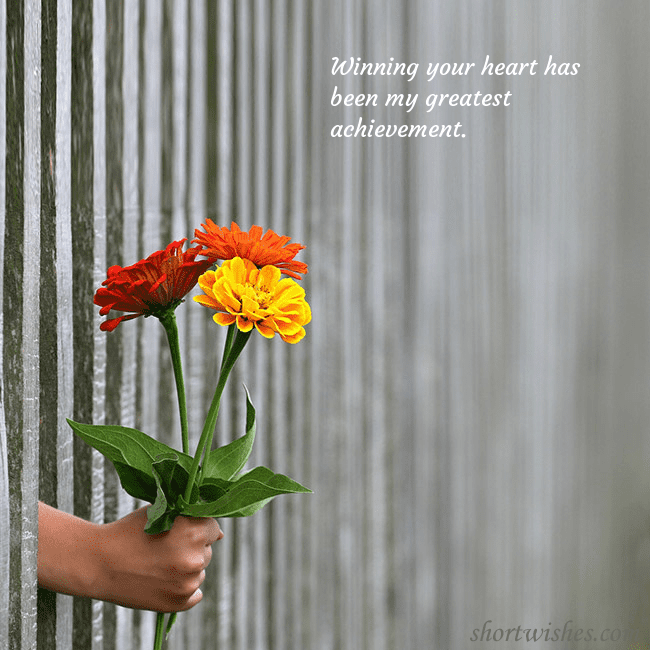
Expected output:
(69, 553)
(120, 563)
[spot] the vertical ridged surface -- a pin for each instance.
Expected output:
(469, 405)
(5, 521)
(30, 325)
(65, 374)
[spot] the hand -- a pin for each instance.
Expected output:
(158, 572)
(120, 563)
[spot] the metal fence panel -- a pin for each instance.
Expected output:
(469, 404)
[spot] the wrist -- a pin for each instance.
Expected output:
(97, 578)
(70, 554)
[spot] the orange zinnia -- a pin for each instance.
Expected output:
(150, 287)
(220, 243)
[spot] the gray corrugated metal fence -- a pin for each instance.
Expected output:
(470, 403)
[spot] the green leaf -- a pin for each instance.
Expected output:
(160, 517)
(136, 482)
(173, 475)
(171, 480)
(227, 461)
(252, 509)
(128, 446)
(131, 452)
(246, 495)
(213, 488)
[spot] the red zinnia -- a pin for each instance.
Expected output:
(150, 287)
(220, 243)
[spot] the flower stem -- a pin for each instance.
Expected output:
(230, 337)
(170, 621)
(205, 443)
(168, 321)
(160, 619)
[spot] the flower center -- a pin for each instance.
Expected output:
(262, 298)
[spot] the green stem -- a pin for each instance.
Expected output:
(170, 621)
(169, 323)
(160, 620)
(230, 337)
(205, 443)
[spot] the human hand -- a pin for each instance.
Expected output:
(120, 563)
(161, 572)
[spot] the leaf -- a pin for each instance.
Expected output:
(227, 461)
(247, 494)
(173, 475)
(212, 489)
(126, 445)
(160, 517)
(171, 480)
(132, 452)
(252, 509)
(136, 482)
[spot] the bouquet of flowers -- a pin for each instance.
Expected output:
(246, 292)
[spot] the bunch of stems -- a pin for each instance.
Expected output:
(235, 342)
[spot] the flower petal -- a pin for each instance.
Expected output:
(151, 286)
(264, 330)
(244, 324)
(258, 298)
(224, 319)
(218, 243)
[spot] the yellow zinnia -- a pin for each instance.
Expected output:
(241, 293)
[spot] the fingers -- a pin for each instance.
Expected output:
(194, 599)
(200, 530)
(209, 529)
(173, 603)
(161, 572)
(185, 593)
(203, 532)
(189, 551)
(215, 532)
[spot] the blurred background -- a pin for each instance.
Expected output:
(469, 404)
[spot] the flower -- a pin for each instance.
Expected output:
(150, 287)
(241, 293)
(220, 243)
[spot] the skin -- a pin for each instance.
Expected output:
(120, 563)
